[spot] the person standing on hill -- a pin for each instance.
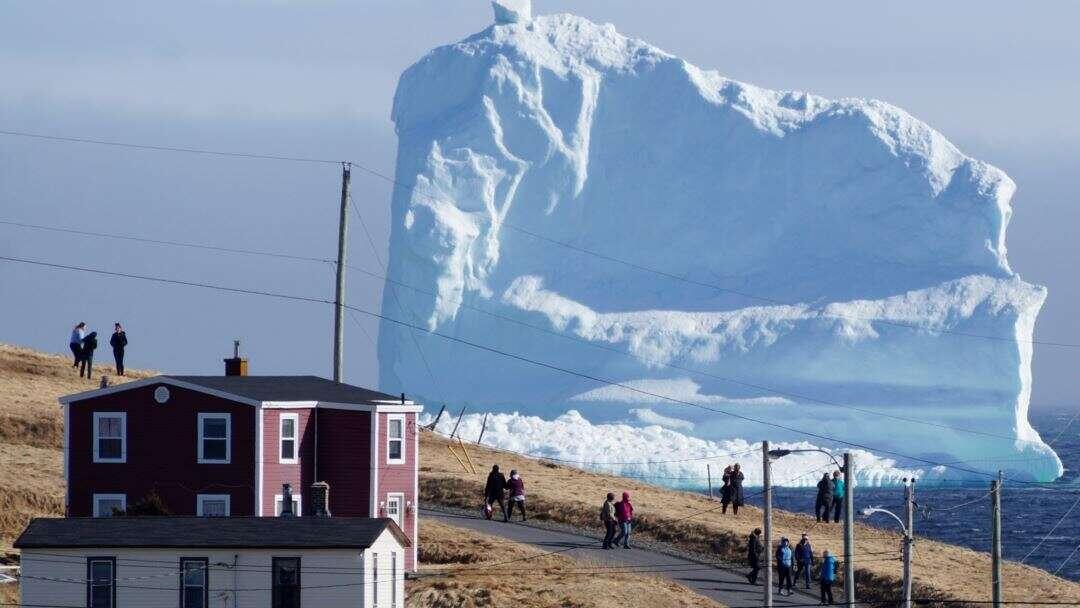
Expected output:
(725, 490)
(608, 517)
(75, 342)
(624, 512)
(118, 342)
(737, 496)
(828, 577)
(494, 492)
(754, 549)
(824, 497)
(517, 495)
(804, 560)
(784, 561)
(838, 496)
(86, 362)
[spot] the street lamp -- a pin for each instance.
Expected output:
(775, 454)
(909, 532)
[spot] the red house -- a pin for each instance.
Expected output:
(225, 445)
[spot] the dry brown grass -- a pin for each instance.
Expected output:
(691, 521)
(549, 581)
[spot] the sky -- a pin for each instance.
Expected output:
(316, 79)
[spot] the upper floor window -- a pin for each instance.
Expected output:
(395, 439)
(212, 505)
(194, 582)
(107, 505)
(215, 437)
(110, 437)
(286, 582)
(287, 426)
(101, 582)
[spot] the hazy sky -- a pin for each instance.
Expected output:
(317, 79)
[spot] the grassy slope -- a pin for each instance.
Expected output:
(485, 575)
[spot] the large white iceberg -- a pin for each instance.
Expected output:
(586, 200)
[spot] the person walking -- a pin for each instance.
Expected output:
(75, 342)
(495, 492)
(824, 497)
(737, 496)
(624, 512)
(837, 496)
(804, 560)
(86, 362)
(784, 561)
(754, 550)
(608, 517)
(725, 490)
(118, 342)
(828, 577)
(517, 495)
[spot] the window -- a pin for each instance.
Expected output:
(287, 425)
(110, 437)
(286, 582)
(394, 504)
(393, 580)
(194, 582)
(106, 505)
(212, 505)
(395, 439)
(101, 582)
(214, 438)
(296, 502)
(374, 579)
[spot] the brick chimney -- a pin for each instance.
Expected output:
(236, 366)
(320, 499)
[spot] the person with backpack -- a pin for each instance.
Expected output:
(75, 342)
(517, 495)
(608, 518)
(495, 492)
(86, 362)
(824, 497)
(624, 512)
(754, 549)
(804, 560)
(784, 561)
(118, 342)
(828, 577)
(725, 490)
(838, 496)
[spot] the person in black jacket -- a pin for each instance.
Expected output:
(824, 497)
(737, 496)
(495, 490)
(118, 341)
(754, 549)
(86, 363)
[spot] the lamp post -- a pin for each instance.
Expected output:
(908, 527)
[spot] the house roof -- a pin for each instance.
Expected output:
(208, 532)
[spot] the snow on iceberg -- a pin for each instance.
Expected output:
(836, 266)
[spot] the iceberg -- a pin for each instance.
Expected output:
(692, 252)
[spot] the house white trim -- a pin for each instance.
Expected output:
(416, 492)
(373, 476)
(400, 498)
(297, 498)
(96, 497)
(404, 446)
(200, 498)
(228, 436)
(295, 438)
(123, 436)
(67, 460)
(259, 413)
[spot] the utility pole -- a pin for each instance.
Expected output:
(766, 480)
(909, 537)
(995, 541)
(339, 291)
(849, 530)
(708, 473)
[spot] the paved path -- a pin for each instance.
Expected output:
(725, 586)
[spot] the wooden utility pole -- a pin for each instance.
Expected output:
(849, 529)
(909, 537)
(766, 482)
(995, 541)
(339, 290)
(708, 474)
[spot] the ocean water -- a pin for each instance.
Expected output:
(1028, 519)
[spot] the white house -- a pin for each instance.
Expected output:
(197, 562)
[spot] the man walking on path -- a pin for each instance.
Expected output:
(118, 341)
(75, 342)
(624, 512)
(607, 515)
(86, 362)
(828, 577)
(494, 491)
(517, 495)
(753, 554)
(824, 498)
(804, 560)
(784, 561)
(837, 496)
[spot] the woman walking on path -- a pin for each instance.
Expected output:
(624, 512)
(828, 577)
(824, 498)
(75, 342)
(784, 557)
(725, 490)
(517, 495)
(607, 515)
(737, 496)
(754, 550)
(118, 342)
(89, 344)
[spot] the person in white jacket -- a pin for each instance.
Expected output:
(75, 342)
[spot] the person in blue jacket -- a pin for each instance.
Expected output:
(804, 560)
(838, 495)
(785, 559)
(828, 577)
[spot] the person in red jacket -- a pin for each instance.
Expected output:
(624, 512)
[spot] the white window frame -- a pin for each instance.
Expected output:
(400, 498)
(123, 436)
(228, 436)
(299, 504)
(200, 498)
(295, 438)
(121, 497)
(375, 579)
(390, 418)
(393, 579)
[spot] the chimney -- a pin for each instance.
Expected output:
(286, 500)
(320, 499)
(402, 398)
(236, 366)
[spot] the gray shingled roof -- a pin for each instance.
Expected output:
(207, 532)
(288, 388)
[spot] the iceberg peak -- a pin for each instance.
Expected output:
(512, 11)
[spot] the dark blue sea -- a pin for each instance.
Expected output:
(1029, 514)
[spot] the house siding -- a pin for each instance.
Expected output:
(162, 452)
(300, 475)
(399, 478)
(345, 460)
